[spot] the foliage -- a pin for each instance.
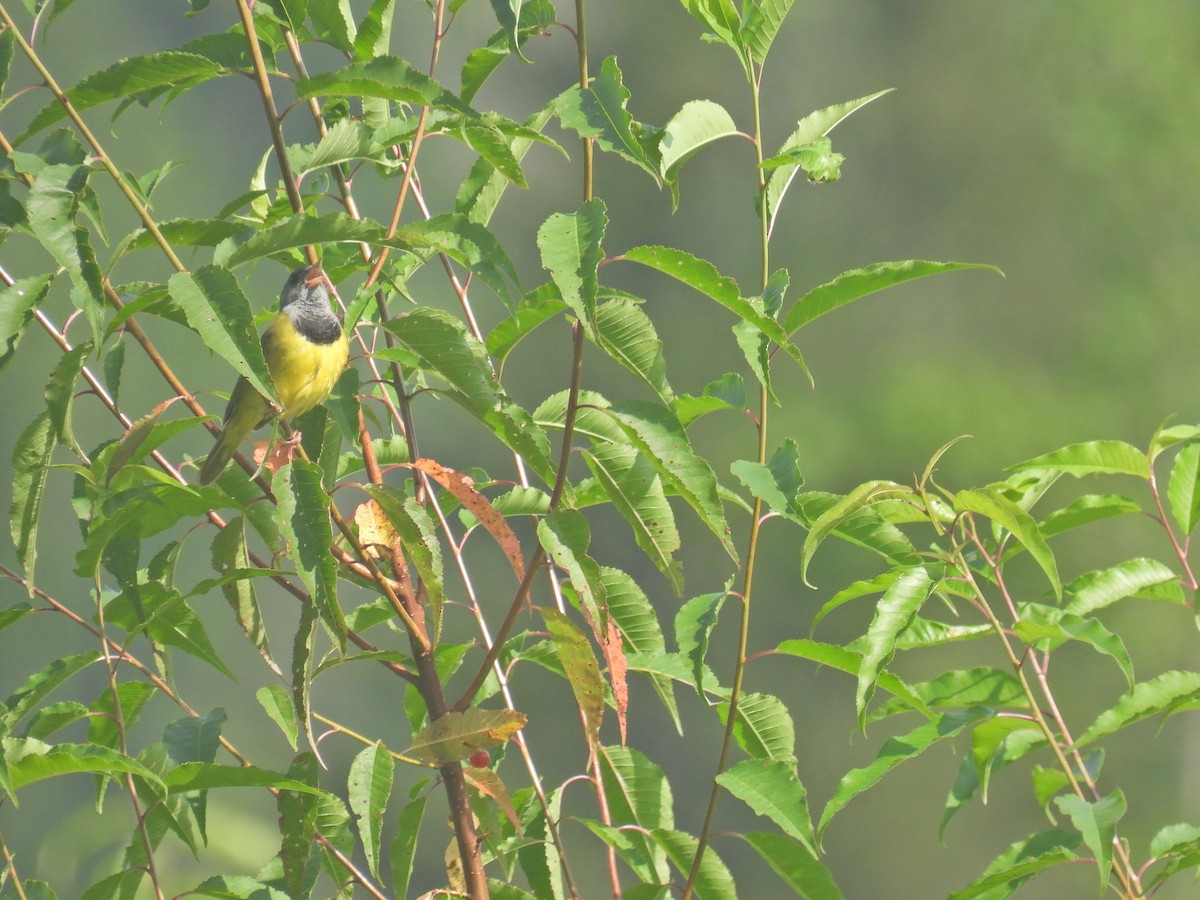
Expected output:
(398, 563)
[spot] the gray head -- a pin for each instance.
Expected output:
(307, 285)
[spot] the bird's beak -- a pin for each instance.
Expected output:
(314, 275)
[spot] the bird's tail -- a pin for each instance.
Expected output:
(245, 413)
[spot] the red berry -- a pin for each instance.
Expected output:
(480, 759)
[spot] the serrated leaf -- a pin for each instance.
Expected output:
(637, 793)
(1091, 458)
(29, 761)
(827, 522)
(858, 283)
(195, 738)
(656, 432)
(803, 872)
(1004, 512)
(893, 614)
(403, 850)
(628, 336)
(297, 824)
(771, 788)
(417, 533)
(217, 309)
(697, 124)
(1087, 509)
(762, 22)
(1181, 489)
(457, 735)
(635, 488)
(368, 786)
(694, 624)
(763, 727)
(387, 77)
(894, 751)
(1020, 862)
(713, 880)
(579, 663)
(40, 685)
(851, 662)
(704, 277)
(18, 301)
(230, 556)
(278, 705)
(31, 458)
(598, 112)
(1097, 822)
(125, 78)
(313, 534)
(811, 127)
(449, 351)
(1139, 577)
(1167, 693)
(570, 247)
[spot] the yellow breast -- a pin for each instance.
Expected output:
(304, 372)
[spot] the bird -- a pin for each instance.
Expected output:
(306, 350)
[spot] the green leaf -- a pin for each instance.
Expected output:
(1134, 578)
(894, 751)
(840, 512)
(40, 685)
(29, 761)
(387, 77)
(579, 662)
(763, 727)
(217, 309)
(1091, 458)
(571, 251)
(697, 124)
(278, 705)
(635, 488)
(714, 881)
(989, 502)
(131, 76)
(761, 23)
(630, 608)
(858, 283)
(893, 614)
(1019, 863)
(450, 352)
(313, 535)
(403, 850)
(52, 206)
(803, 872)
(694, 623)
(849, 661)
(598, 112)
(195, 738)
(656, 432)
(1181, 490)
(638, 793)
(627, 335)
(704, 277)
(18, 302)
(166, 618)
(1167, 693)
(49, 719)
(230, 558)
(727, 392)
(771, 788)
(31, 459)
(297, 824)
(722, 17)
(1097, 822)
(1087, 509)
(811, 127)
(865, 527)
(368, 786)
(196, 776)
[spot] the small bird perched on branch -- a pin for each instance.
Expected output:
(306, 350)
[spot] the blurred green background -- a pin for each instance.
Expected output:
(1056, 141)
